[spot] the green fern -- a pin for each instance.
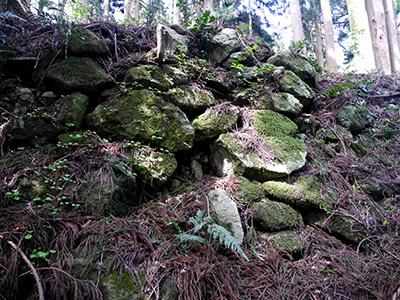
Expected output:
(217, 232)
(226, 238)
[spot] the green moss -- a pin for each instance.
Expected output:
(17, 160)
(287, 148)
(247, 192)
(269, 123)
(143, 114)
(304, 195)
(275, 216)
(149, 77)
(286, 240)
(190, 98)
(115, 286)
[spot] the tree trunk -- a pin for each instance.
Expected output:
(134, 10)
(364, 59)
(208, 5)
(106, 9)
(176, 13)
(297, 23)
(377, 25)
(331, 65)
(17, 7)
(393, 35)
(250, 18)
(127, 5)
(319, 47)
(61, 7)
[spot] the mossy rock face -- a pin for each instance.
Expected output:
(149, 77)
(214, 121)
(295, 63)
(287, 241)
(190, 98)
(227, 213)
(268, 123)
(354, 118)
(108, 194)
(275, 216)
(31, 189)
(333, 135)
(305, 194)
(292, 84)
(279, 157)
(143, 115)
(347, 228)
(247, 191)
(279, 102)
(71, 109)
(153, 166)
(83, 42)
(79, 74)
(115, 286)
(178, 76)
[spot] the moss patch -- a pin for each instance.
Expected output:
(247, 192)
(286, 240)
(269, 123)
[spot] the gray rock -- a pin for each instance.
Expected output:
(287, 241)
(79, 74)
(227, 212)
(298, 64)
(196, 169)
(149, 77)
(292, 84)
(83, 42)
(190, 98)
(176, 40)
(71, 109)
(354, 118)
(223, 45)
(279, 102)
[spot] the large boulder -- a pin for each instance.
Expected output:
(143, 115)
(216, 120)
(190, 98)
(275, 216)
(354, 118)
(287, 241)
(227, 212)
(82, 42)
(263, 151)
(223, 45)
(79, 74)
(298, 64)
(174, 41)
(292, 84)
(148, 76)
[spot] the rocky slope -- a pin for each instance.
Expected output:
(224, 171)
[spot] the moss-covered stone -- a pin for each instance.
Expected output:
(79, 74)
(240, 154)
(268, 123)
(83, 42)
(71, 110)
(190, 98)
(141, 114)
(287, 241)
(354, 118)
(278, 102)
(298, 64)
(333, 135)
(292, 84)
(215, 120)
(153, 166)
(115, 286)
(305, 194)
(33, 188)
(275, 216)
(247, 191)
(149, 77)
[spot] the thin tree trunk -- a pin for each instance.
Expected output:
(127, 5)
(331, 65)
(176, 12)
(297, 23)
(393, 35)
(208, 5)
(364, 59)
(319, 47)
(106, 9)
(377, 24)
(134, 10)
(250, 18)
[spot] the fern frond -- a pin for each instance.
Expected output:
(226, 238)
(198, 221)
(183, 237)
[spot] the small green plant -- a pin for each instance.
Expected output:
(203, 24)
(217, 232)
